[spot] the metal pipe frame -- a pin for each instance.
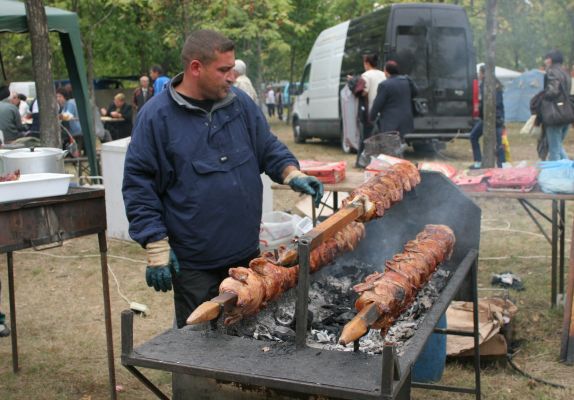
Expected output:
(556, 241)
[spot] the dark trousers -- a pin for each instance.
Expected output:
(271, 109)
(475, 135)
(193, 287)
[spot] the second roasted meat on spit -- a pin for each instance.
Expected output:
(264, 281)
(393, 290)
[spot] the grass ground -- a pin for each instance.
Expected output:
(61, 325)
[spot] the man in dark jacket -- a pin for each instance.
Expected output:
(393, 102)
(142, 94)
(555, 82)
(192, 185)
(476, 132)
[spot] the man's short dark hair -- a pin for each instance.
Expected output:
(556, 56)
(392, 67)
(372, 59)
(203, 44)
(157, 68)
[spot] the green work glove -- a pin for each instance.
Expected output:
(161, 262)
(300, 182)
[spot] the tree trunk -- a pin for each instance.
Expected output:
(489, 91)
(42, 65)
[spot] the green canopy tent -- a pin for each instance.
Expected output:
(13, 19)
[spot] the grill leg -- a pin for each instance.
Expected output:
(107, 313)
(12, 296)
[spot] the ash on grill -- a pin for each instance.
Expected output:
(331, 306)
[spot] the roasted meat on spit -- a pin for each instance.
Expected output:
(265, 281)
(391, 292)
(384, 189)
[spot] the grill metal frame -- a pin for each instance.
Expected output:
(307, 371)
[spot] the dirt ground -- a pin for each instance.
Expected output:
(61, 325)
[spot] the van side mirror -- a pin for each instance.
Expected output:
(295, 89)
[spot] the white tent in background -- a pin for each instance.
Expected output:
(504, 75)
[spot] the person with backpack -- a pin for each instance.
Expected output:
(557, 86)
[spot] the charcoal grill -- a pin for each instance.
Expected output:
(213, 365)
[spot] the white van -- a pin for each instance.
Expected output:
(432, 43)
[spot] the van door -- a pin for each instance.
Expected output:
(433, 45)
(451, 68)
(409, 34)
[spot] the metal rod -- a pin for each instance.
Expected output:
(134, 371)
(540, 212)
(554, 253)
(335, 201)
(523, 203)
(301, 308)
(474, 282)
(443, 331)
(445, 388)
(12, 297)
(562, 229)
(107, 312)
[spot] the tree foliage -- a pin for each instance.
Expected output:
(126, 37)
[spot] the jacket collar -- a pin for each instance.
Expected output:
(184, 103)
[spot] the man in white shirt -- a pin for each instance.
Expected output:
(270, 101)
(372, 77)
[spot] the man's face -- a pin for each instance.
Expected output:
(144, 81)
(548, 62)
(15, 100)
(214, 80)
(119, 103)
(153, 75)
(60, 99)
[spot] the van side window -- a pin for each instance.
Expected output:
(306, 75)
(412, 51)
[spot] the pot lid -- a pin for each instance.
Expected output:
(37, 152)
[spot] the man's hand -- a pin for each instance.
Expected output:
(160, 260)
(303, 183)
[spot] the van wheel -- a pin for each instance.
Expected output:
(297, 132)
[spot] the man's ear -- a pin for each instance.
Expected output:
(195, 67)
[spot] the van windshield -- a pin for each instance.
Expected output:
(412, 52)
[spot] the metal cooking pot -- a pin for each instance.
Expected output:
(34, 160)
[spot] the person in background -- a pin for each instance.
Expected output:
(192, 178)
(279, 103)
(121, 113)
(142, 94)
(393, 102)
(270, 101)
(242, 81)
(159, 79)
(371, 77)
(19, 100)
(70, 119)
(10, 120)
(556, 80)
(476, 131)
